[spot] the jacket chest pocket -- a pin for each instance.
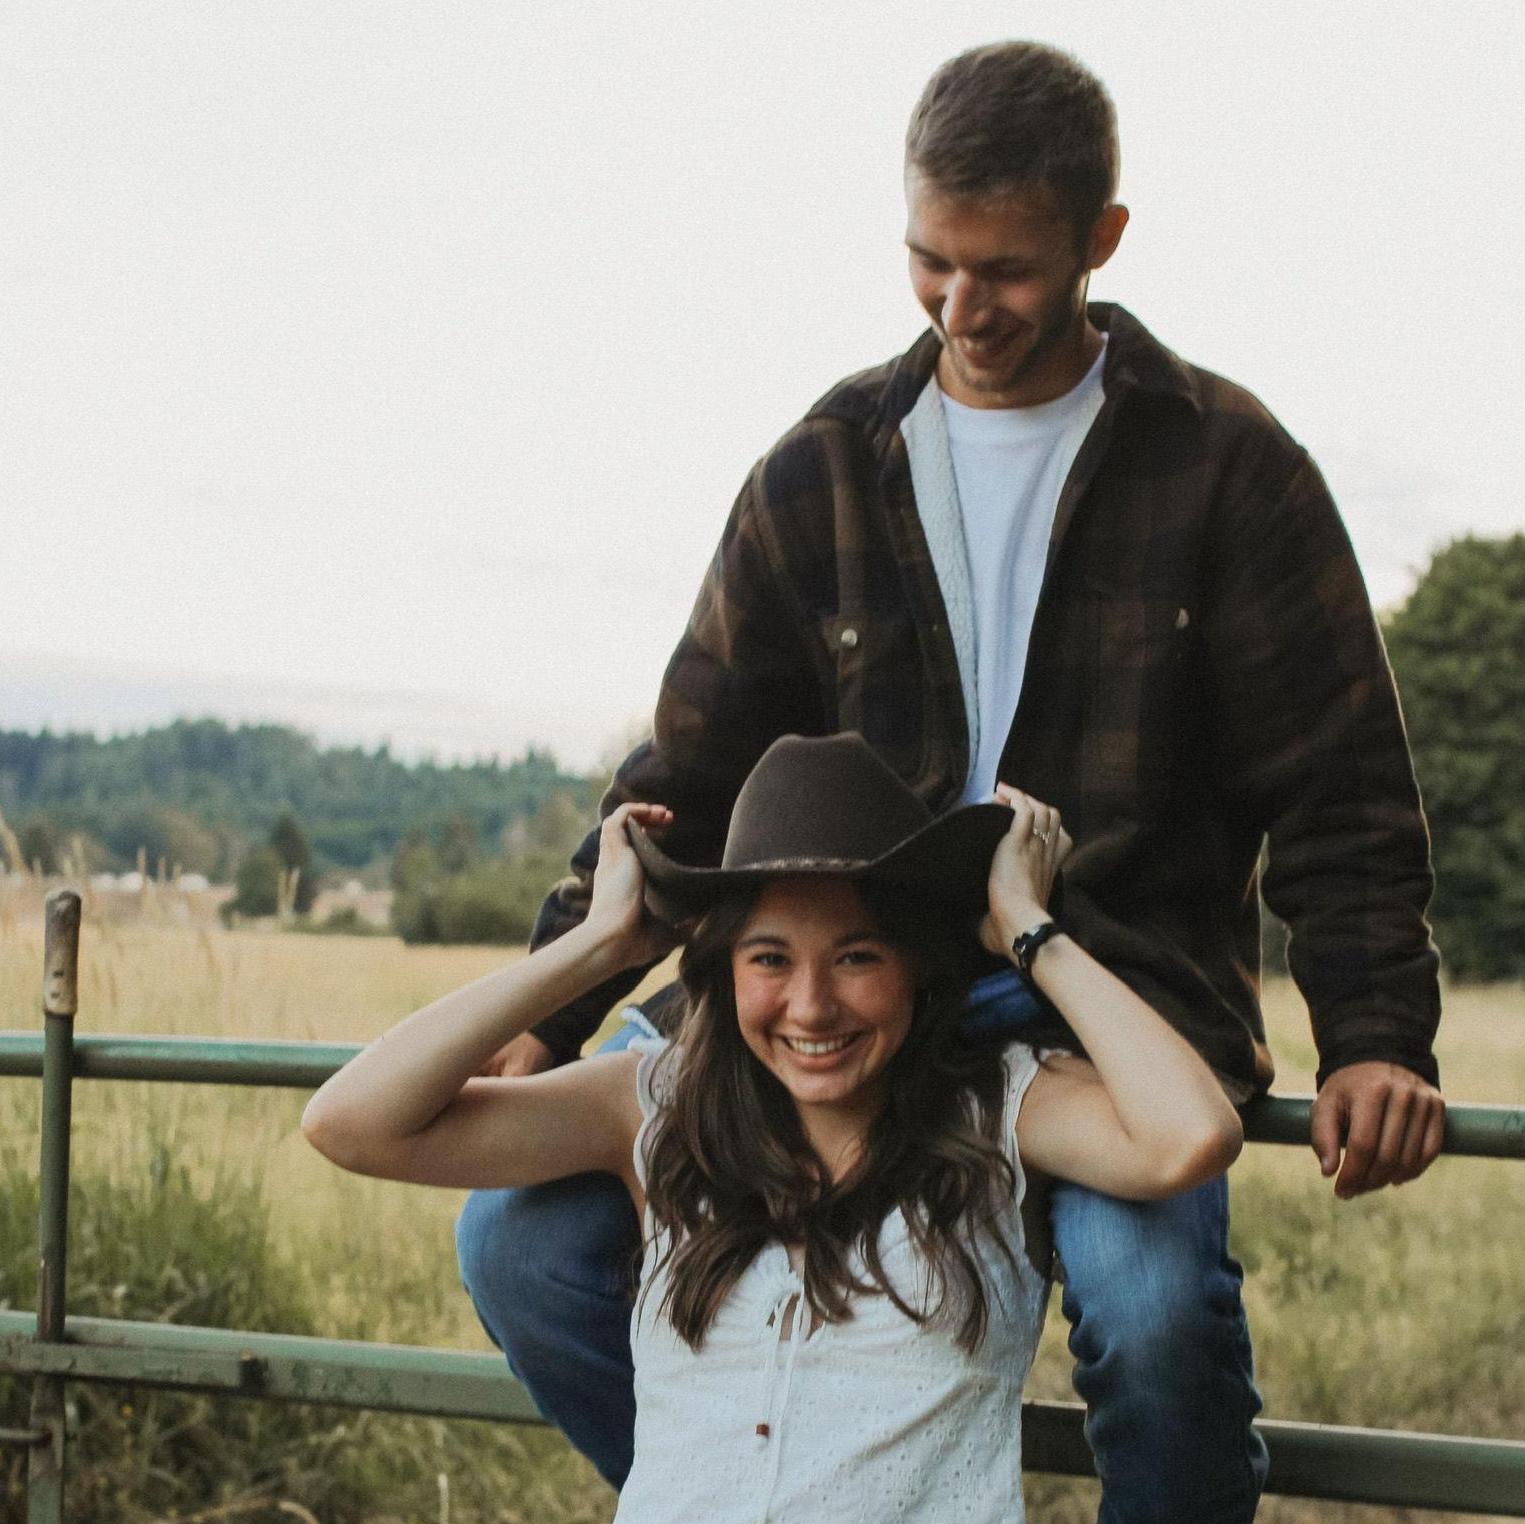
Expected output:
(1139, 709)
(852, 641)
(879, 688)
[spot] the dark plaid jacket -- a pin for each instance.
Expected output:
(1204, 673)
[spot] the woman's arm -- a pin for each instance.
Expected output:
(1146, 1117)
(409, 1108)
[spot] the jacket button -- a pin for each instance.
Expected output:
(1182, 619)
(848, 639)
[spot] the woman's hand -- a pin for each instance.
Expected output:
(1023, 869)
(616, 914)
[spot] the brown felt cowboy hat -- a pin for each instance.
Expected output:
(829, 805)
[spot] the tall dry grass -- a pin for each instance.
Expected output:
(372, 1259)
(1406, 1309)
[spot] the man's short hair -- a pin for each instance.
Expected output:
(1013, 115)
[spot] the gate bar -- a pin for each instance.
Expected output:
(1492, 1132)
(1410, 1470)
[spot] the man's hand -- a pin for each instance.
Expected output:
(1388, 1120)
(526, 1054)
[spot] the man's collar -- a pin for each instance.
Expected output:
(1137, 361)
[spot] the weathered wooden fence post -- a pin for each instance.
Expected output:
(60, 1001)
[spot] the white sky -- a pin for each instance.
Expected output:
(390, 367)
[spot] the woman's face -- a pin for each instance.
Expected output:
(821, 998)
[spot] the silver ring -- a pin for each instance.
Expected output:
(1043, 836)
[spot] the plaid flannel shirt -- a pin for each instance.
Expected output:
(1204, 675)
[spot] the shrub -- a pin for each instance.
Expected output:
(494, 901)
(290, 844)
(257, 884)
(170, 836)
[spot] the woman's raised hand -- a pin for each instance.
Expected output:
(1024, 867)
(617, 912)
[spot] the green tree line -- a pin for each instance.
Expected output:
(199, 794)
(1458, 648)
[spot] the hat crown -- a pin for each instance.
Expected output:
(816, 801)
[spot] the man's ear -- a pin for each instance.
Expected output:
(1106, 233)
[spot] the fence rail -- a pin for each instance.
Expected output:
(1484, 1132)
(1412, 1470)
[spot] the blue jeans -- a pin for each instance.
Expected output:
(1157, 1328)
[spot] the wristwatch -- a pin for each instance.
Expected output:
(1024, 948)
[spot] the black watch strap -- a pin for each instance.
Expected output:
(1025, 947)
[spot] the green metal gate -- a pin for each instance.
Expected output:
(1307, 1460)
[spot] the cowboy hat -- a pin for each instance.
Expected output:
(829, 805)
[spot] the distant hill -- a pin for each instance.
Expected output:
(198, 791)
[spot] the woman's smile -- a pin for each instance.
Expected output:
(826, 1048)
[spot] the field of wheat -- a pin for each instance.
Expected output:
(1406, 1309)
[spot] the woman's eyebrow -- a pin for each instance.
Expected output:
(761, 938)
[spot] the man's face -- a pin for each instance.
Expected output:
(1003, 279)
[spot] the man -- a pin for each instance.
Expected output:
(1041, 549)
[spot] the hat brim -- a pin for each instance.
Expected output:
(948, 860)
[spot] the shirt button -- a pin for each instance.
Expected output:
(848, 639)
(1182, 619)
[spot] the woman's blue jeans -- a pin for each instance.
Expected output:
(1157, 1329)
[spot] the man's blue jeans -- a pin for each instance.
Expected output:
(1157, 1328)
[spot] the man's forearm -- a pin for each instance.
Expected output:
(1314, 748)
(565, 1032)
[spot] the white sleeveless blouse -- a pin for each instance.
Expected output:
(876, 1420)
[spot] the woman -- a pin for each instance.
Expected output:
(835, 1309)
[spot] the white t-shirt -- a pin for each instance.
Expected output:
(1010, 465)
(873, 1419)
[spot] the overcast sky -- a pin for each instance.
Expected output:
(390, 368)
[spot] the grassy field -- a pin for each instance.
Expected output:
(1404, 1310)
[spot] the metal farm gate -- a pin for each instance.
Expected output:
(1411, 1470)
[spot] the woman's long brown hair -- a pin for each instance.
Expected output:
(729, 1168)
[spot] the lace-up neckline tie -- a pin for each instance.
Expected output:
(786, 1327)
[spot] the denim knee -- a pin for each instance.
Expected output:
(1151, 1324)
(549, 1270)
(1162, 1353)
(519, 1249)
